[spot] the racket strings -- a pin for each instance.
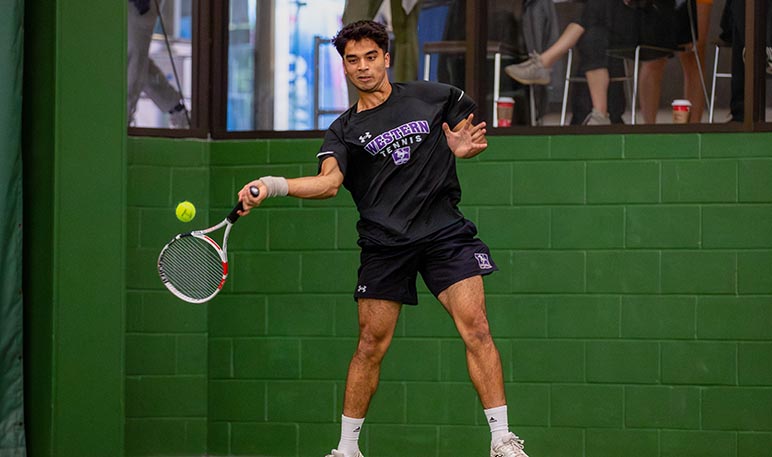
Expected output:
(192, 266)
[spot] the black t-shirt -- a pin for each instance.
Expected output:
(397, 164)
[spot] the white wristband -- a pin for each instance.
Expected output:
(277, 186)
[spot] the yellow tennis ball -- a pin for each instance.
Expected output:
(185, 211)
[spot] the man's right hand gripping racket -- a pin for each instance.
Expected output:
(193, 266)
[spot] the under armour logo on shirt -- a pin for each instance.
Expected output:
(362, 289)
(365, 137)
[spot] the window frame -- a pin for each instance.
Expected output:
(210, 80)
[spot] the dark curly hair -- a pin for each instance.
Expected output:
(360, 30)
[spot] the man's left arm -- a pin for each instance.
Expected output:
(466, 139)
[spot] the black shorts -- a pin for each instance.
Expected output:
(443, 259)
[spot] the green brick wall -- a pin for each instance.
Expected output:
(633, 309)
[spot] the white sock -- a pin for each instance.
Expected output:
(349, 435)
(497, 420)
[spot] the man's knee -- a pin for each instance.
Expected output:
(475, 331)
(372, 347)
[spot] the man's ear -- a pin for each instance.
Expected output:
(387, 58)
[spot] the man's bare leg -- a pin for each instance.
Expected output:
(465, 301)
(377, 320)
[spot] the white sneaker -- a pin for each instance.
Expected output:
(510, 446)
(178, 117)
(769, 60)
(597, 118)
(529, 72)
(337, 453)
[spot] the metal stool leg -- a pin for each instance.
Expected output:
(635, 81)
(713, 86)
(496, 86)
(566, 84)
(427, 65)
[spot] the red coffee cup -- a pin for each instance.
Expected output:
(681, 111)
(505, 107)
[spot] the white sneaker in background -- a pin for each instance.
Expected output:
(769, 60)
(530, 72)
(596, 118)
(178, 117)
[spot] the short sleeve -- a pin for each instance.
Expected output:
(333, 146)
(458, 106)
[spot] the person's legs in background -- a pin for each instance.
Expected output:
(405, 53)
(538, 68)
(567, 40)
(650, 88)
(139, 33)
(694, 73)
(669, 27)
(165, 96)
(769, 37)
(594, 65)
(737, 100)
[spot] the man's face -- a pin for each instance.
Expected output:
(365, 64)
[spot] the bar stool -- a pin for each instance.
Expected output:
(649, 52)
(569, 79)
(716, 75)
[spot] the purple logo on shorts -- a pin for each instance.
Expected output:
(483, 261)
(401, 156)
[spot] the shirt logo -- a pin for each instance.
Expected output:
(365, 137)
(483, 261)
(398, 141)
(362, 288)
(401, 156)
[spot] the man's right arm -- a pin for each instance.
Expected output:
(324, 185)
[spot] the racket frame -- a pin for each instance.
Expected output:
(221, 251)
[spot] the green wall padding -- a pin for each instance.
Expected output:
(11, 392)
(633, 308)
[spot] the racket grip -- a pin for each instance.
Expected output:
(234, 215)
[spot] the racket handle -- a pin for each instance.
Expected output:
(234, 215)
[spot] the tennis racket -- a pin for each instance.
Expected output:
(193, 266)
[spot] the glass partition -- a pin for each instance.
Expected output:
(160, 63)
(273, 69)
(282, 72)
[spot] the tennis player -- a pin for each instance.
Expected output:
(395, 151)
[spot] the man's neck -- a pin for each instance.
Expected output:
(370, 100)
